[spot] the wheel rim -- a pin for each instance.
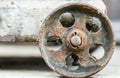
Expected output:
(90, 25)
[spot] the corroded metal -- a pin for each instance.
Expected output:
(80, 34)
(71, 60)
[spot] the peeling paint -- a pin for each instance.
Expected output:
(21, 18)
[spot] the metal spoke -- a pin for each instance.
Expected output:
(97, 37)
(59, 56)
(85, 58)
(80, 24)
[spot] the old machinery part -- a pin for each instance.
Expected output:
(67, 36)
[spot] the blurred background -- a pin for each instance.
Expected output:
(113, 7)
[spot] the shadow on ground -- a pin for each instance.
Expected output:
(31, 63)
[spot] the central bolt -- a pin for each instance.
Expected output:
(76, 41)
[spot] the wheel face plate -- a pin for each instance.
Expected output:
(67, 36)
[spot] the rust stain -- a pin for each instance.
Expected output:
(32, 38)
(59, 55)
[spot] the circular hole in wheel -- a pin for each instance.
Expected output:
(54, 43)
(93, 24)
(98, 52)
(67, 19)
(72, 62)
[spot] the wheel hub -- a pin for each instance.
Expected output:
(76, 41)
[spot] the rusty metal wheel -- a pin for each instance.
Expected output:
(67, 36)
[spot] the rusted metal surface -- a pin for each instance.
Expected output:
(20, 20)
(91, 26)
